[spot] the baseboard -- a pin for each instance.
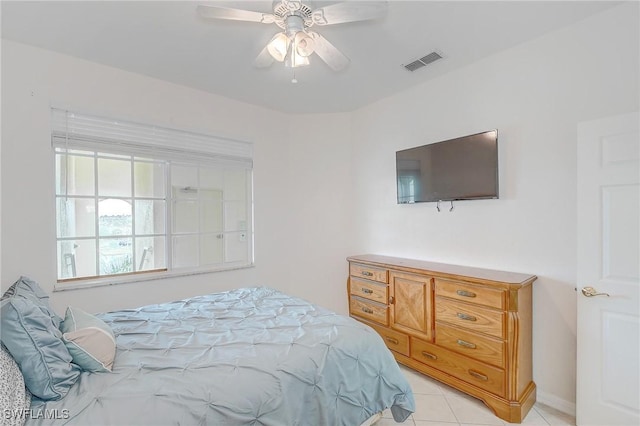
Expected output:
(559, 404)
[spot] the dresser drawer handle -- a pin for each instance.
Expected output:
(367, 290)
(478, 376)
(367, 310)
(466, 317)
(466, 293)
(367, 273)
(428, 355)
(392, 340)
(466, 344)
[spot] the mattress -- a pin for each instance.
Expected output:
(252, 356)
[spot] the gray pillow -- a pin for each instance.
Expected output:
(15, 399)
(35, 343)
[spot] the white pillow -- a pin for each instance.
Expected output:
(89, 340)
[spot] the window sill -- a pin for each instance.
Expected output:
(151, 276)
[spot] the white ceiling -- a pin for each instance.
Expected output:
(169, 41)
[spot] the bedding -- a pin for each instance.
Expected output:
(14, 397)
(243, 357)
(89, 340)
(30, 333)
(26, 288)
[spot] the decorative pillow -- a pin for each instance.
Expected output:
(35, 343)
(15, 399)
(26, 288)
(89, 340)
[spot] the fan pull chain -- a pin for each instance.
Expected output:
(294, 80)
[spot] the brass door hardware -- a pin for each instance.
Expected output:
(590, 292)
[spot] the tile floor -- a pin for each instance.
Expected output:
(440, 405)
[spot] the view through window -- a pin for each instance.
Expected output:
(155, 208)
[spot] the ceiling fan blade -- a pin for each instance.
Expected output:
(264, 59)
(328, 52)
(215, 12)
(349, 12)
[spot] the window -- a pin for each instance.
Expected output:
(128, 201)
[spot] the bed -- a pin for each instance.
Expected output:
(251, 356)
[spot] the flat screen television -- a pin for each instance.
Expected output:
(464, 168)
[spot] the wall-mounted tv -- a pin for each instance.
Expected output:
(464, 168)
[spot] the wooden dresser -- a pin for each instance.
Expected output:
(467, 327)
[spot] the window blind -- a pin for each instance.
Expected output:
(71, 130)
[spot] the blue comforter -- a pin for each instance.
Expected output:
(244, 357)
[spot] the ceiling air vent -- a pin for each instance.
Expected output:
(425, 60)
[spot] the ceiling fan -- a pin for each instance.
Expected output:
(297, 42)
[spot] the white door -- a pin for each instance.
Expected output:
(608, 376)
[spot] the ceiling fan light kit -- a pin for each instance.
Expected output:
(303, 43)
(279, 46)
(296, 43)
(292, 46)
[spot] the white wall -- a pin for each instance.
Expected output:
(534, 94)
(35, 79)
(321, 226)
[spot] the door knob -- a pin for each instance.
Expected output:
(590, 292)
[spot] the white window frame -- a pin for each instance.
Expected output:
(82, 132)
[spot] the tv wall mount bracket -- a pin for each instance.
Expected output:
(438, 205)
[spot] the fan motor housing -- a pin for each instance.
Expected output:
(283, 10)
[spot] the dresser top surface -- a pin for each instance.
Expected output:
(444, 269)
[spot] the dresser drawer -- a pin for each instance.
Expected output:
(470, 293)
(369, 272)
(395, 341)
(478, 374)
(485, 349)
(369, 290)
(471, 317)
(369, 310)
